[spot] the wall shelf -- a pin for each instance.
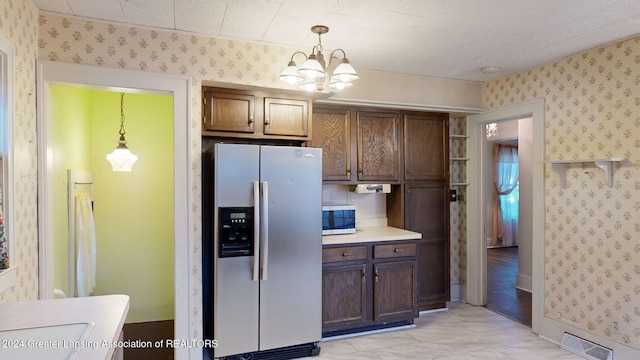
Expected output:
(458, 159)
(560, 167)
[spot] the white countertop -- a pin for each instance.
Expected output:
(371, 234)
(45, 323)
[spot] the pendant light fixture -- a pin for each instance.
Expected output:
(122, 159)
(315, 74)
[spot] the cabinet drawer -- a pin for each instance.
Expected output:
(345, 253)
(394, 250)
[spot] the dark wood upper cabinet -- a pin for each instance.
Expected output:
(426, 146)
(378, 138)
(286, 117)
(228, 112)
(255, 115)
(331, 132)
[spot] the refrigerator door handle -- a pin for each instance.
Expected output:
(264, 230)
(256, 231)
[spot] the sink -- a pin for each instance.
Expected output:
(54, 342)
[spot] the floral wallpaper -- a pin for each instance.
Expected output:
(592, 100)
(18, 26)
(592, 231)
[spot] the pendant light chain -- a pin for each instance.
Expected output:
(121, 132)
(122, 159)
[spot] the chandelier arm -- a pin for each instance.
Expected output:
(298, 52)
(344, 55)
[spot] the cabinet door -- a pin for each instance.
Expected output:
(344, 298)
(427, 212)
(331, 133)
(394, 291)
(286, 117)
(228, 112)
(426, 146)
(377, 135)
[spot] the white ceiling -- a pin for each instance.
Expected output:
(440, 38)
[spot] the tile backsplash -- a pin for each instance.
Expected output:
(371, 209)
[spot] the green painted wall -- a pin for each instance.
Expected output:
(71, 132)
(133, 211)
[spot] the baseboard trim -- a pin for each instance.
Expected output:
(524, 282)
(455, 292)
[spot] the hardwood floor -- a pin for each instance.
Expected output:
(502, 295)
(149, 332)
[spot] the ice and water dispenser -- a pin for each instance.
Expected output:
(236, 231)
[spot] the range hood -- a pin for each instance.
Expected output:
(372, 188)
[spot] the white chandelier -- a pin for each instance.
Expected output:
(314, 74)
(122, 158)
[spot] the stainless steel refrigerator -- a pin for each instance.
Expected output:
(262, 250)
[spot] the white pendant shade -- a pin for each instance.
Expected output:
(308, 85)
(311, 68)
(345, 72)
(339, 85)
(291, 74)
(122, 159)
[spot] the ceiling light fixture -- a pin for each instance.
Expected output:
(122, 158)
(314, 74)
(490, 69)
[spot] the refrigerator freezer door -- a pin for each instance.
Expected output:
(235, 315)
(291, 297)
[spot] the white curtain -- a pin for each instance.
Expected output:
(504, 209)
(85, 243)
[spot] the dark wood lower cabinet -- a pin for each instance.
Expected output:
(394, 291)
(433, 279)
(369, 285)
(345, 303)
(427, 212)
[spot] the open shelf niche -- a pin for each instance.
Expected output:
(560, 167)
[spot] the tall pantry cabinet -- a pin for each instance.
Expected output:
(409, 150)
(423, 203)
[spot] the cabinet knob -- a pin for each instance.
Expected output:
(251, 120)
(397, 250)
(266, 121)
(345, 254)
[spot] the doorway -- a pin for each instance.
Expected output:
(131, 212)
(50, 74)
(476, 289)
(507, 193)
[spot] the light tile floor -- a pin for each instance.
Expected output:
(462, 332)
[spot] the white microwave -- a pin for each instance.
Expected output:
(338, 219)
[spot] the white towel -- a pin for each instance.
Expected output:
(85, 246)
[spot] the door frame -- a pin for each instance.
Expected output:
(54, 73)
(476, 289)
